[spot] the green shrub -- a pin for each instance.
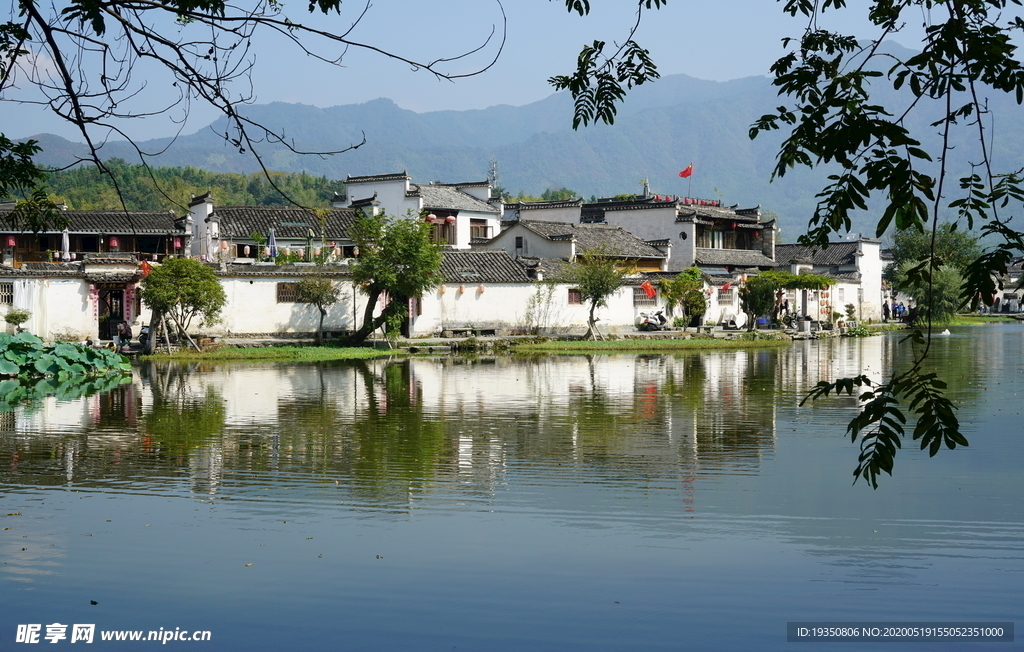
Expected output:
(26, 355)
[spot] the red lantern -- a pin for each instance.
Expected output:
(430, 218)
(114, 243)
(177, 243)
(12, 241)
(449, 220)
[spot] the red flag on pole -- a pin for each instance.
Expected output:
(687, 172)
(648, 289)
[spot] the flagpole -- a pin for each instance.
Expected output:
(689, 181)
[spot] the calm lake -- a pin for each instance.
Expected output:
(608, 502)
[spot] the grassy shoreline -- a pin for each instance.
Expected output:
(284, 353)
(646, 345)
(292, 353)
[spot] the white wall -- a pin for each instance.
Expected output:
(521, 307)
(60, 308)
(870, 263)
(252, 308)
(568, 214)
(534, 245)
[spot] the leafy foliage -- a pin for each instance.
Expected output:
(21, 391)
(19, 175)
(757, 297)
(26, 355)
(397, 259)
(183, 289)
(601, 80)
(937, 294)
(17, 316)
(169, 188)
(597, 277)
(320, 292)
(967, 54)
(950, 246)
(880, 425)
(685, 291)
(82, 60)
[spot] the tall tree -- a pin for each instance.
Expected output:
(397, 261)
(757, 298)
(686, 292)
(183, 290)
(92, 62)
(320, 292)
(968, 53)
(597, 277)
(950, 246)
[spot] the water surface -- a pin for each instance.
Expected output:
(605, 502)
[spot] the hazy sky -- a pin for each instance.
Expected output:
(718, 40)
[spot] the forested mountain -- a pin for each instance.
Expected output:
(158, 188)
(661, 128)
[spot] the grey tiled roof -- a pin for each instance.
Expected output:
(110, 258)
(118, 222)
(42, 269)
(543, 205)
(482, 266)
(370, 178)
(288, 222)
(853, 277)
(284, 271)
(445, 197)
(689, 212)
(736, 257)
(550, 268)
(837, 253)
(614, 240)
(467, 184)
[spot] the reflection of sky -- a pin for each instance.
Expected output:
(675, 501)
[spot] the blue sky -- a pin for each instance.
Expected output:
(720, 40)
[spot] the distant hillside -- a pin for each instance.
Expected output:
(661, 128)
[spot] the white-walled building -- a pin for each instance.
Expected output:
(462, 213)
(701, 232)
(856, 267)
(566, 241)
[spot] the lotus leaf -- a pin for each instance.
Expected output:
(8, 368)
(26, 337)
(46, 364)
(68, 352)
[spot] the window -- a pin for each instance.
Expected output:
(727, 297)
(478, 229)
(520, 244)
(287, 292)
(575, 297)
(444, 233)
(7, 294)
(640, 298)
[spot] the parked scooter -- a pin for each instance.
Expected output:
(651, 321)
(144, 334)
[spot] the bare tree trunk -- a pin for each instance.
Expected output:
(167, 336)
(592, 332)
(185, 334)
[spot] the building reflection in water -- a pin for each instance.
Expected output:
(391, 429)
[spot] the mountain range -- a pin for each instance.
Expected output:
(660, 129)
